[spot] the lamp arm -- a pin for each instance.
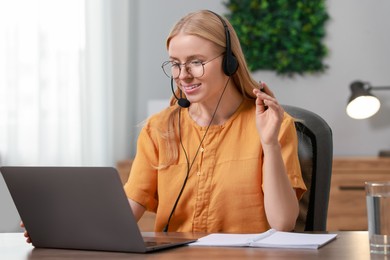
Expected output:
(380, 88)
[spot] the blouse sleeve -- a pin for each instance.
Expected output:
(289, 142)
(142, 183)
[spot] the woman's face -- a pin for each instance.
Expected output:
(184, 48)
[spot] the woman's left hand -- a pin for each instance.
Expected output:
(269, 115)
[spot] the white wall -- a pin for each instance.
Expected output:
(358, 39)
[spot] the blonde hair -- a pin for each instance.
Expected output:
(207, 25)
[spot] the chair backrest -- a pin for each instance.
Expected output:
(315, 151)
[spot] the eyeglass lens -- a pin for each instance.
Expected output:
(173, 69)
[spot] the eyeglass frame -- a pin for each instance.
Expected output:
(185, 66)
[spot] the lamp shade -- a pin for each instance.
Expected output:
(362, 104)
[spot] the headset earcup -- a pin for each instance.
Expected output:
(229, 64)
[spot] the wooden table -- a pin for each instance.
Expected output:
(348, 245)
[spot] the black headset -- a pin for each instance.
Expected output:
(229, 63)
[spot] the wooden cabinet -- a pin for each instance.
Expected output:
(347, 203)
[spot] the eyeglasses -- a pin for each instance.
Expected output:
(195, 67)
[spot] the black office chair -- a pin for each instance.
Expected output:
(315, 151)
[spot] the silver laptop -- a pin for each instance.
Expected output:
(78, 208)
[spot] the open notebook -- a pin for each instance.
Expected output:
(270, 238)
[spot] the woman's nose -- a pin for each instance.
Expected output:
(184, 73)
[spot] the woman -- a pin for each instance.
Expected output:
(225, 160)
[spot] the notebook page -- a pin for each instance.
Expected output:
(294, 240)
(221, 239)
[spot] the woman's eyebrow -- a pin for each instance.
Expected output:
(191, 57)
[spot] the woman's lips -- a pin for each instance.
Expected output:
(190, 88)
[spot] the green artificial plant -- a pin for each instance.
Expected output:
(281, 35)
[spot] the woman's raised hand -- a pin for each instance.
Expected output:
(269, 114)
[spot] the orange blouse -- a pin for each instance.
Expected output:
(224, 188)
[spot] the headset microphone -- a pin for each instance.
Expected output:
(183, 102)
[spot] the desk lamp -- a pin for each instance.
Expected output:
(362, 104)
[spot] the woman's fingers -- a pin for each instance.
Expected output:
(264, 88)
(265, 100)
(26, 235)
(260, 104)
